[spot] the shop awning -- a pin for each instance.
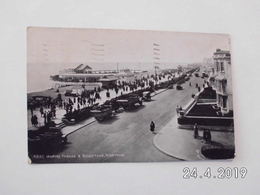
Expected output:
(213, 77)
(221, 78)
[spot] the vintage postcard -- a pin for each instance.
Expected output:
(96, 95)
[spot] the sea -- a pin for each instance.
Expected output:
(38, 74)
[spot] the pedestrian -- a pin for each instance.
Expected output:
(41, 111)
(89, 101)
(31, 108)
(67, 108)
(81, 102)
(96, 95)
(196, 131)
(45, 117)
(84, 101)
(49, 115)
(108, 94)
(54, 113)
(190, 84)
(32, 120)
(199, 88)
(35, 120)
(70, 102)
(177, 109)
(152, 126)
(206, 136)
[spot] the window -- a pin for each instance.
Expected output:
(224, 86)
(217, 64)
(221, 66)
(219, 100)
(224, 101)
(219, 85)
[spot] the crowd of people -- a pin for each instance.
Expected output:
(89, 98)
(47, 115)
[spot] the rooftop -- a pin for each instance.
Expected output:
(82, 67)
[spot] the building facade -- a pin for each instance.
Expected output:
(125, 75)
(83, 69)
(221, 80)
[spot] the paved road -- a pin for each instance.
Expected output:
(126, 137)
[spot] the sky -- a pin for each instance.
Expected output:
(52, 49)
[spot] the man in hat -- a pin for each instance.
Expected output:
(152, 126)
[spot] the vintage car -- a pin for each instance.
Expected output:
(37, 101)
(73, 92)
(68, 92)
(162, 85)
(102, 112)
(45, 139)
(147, 96)
(78, 115)
(170, 87)
(204, 75)
(129, 101)
(179, 87)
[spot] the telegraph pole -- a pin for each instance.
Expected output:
(156, 48)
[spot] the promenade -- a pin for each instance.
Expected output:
(170, 139)
(61, 111)
(179, 142)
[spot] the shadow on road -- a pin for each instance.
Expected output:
(214, 143)
(61, 147)
(136, 109)
(157, 133)
(109, 120)
(152, 100)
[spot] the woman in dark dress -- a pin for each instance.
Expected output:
(152, 127)
(196, 131)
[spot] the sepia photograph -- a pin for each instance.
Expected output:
(103, 95)
(130, 97)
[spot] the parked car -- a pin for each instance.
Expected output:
(68, 92)
(102, 112)
(129, 101)
(37, 101)
(179, 87)
(45, 139)
(73, 92)
(147, 96)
